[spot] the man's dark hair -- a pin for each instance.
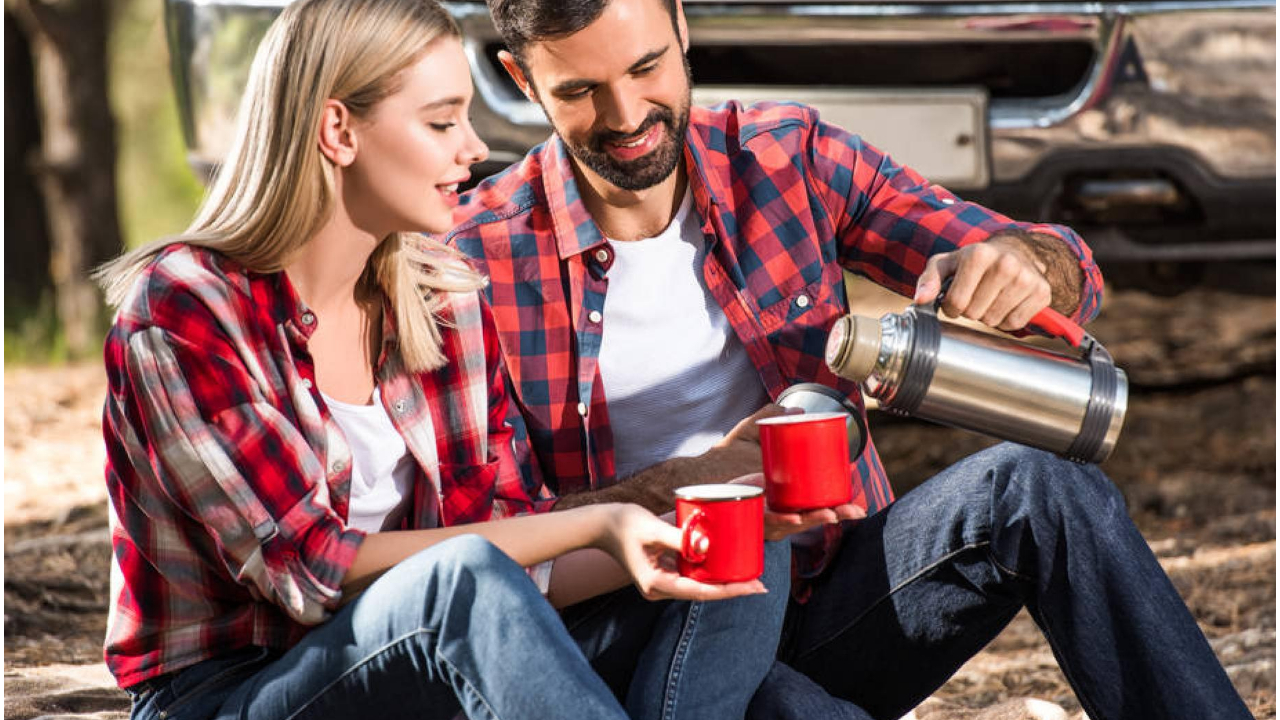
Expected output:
(521, 22)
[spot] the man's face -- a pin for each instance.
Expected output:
(617, 92)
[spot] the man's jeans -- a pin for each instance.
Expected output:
(919, 588)
(460, 627)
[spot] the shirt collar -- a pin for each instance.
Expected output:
(285, 303)
(302, 321)
(702, 162)
(576, 232)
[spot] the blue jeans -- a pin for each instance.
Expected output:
(919, 588)
(460, 627)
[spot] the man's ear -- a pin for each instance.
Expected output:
(517, 74)
(336, 137)
(682, 26)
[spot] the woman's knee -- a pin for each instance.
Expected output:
(471, 558)
(460, 566)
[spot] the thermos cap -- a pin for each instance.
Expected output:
(822, 400)
(853, 347)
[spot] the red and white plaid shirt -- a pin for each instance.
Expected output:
(229, 479)
(787, 203)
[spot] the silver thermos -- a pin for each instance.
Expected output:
(915, 365)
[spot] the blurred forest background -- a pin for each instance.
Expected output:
(123, 181)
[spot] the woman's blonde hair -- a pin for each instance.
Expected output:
(275, 188)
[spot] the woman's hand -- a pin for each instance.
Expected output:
(648, 548)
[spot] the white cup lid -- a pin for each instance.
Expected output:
(801, 418)
(723, 491)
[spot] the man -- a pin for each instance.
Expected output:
(659, 272)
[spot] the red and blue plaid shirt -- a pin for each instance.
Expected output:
(787, 203)
(229, 479)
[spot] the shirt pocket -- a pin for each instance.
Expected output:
(814, 306)
(467, 492)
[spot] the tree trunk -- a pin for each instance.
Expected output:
(26, 233)
(76, 167)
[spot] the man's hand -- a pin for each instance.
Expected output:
(778, 525)
(737, 453)
(746, 431)
(1004, 281)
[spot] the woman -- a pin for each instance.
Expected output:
(309, 459)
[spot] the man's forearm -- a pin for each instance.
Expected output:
(653, 487)
(1059, 264)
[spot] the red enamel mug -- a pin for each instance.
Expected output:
(723, 532)
(806, 461)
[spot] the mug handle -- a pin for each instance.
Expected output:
(694, 541)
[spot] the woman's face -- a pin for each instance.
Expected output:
(415, 147)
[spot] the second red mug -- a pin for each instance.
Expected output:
(723, 532)
(806, 461)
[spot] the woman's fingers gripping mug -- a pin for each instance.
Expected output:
(806, 461)
(723, 528)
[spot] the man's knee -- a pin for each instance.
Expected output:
(786, 694)
(1051, 479)
(1030, 485)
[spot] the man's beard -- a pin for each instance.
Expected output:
(645, 171)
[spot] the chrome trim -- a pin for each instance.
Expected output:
(1097, 116)
(1011, 115)
(1148, 192)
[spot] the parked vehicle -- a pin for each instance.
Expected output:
(1148, 125)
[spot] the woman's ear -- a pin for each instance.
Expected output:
(336, 137)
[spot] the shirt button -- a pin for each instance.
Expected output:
(582, 409)
(802, 301)
(401, 405)
(308, 318)
(602, 255)
(338, 465)
(595, 316)
(306, 383)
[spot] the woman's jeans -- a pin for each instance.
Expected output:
(922, 586)
(460, 628)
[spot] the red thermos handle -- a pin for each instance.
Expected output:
(1056, 324)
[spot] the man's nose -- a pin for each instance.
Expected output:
(621, 108)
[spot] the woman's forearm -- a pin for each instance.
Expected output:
(528, 540)
(584, 574)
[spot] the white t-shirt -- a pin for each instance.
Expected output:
(382, 469)
(676, 376)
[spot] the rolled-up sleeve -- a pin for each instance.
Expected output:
(243, 469)
(889, 220)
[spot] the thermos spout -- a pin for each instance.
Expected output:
(853, 347)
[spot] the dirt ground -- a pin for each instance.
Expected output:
(1196, 462)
